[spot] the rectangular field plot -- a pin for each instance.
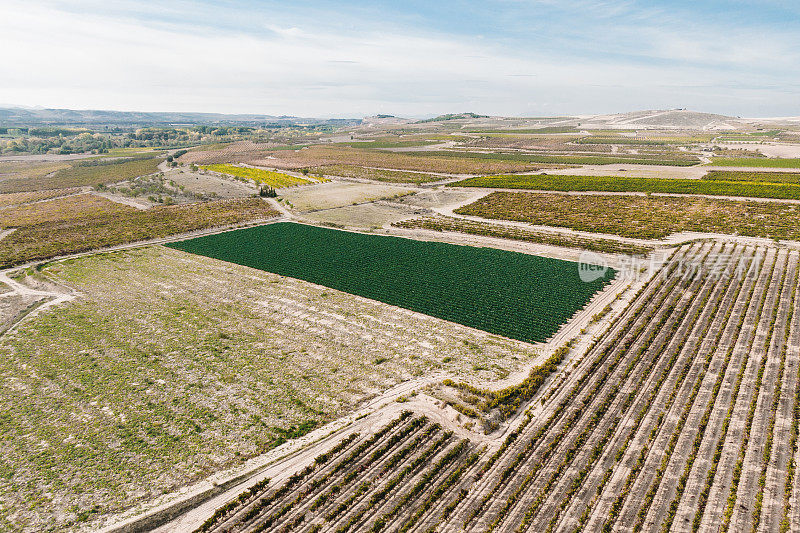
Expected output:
(516, 295)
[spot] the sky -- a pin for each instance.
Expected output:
(414, 58)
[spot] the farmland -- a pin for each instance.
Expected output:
(760, 162)
(169, 366)
(43, 231)
(18, 176)
(21, 198)
(767, 177)
(442, 223)
(391, 340)
(712, 187)
(640, 216)
(566, 159)
(392, 176)
(500, 292)
(669, 419)
(82, 173)
(259, 175)
(433, 161)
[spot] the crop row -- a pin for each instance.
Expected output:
(690, 362)
(695, 450)
(699, 320)
(566, 183)
(666, 334)
(770, 439)
(474, 227)
(618, 344)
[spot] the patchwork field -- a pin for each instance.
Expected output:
(170, 366)
(432, 161)
(646, 217)
(424, 372)
(682, 417)
(516, 295)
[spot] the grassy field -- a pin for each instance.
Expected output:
(558, 182)
(79, 224)
(171, 366)
(278, 180)
(392, 176)
(766, 177)
(642, 216)
(760, 162)
(516, 295)
(666, 160)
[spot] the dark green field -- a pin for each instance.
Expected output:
(516, 295)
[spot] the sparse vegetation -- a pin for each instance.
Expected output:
(642, 217)
(47, 233)
(442, 223)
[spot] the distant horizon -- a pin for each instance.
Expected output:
(395, 115)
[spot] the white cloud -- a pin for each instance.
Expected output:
(98, 59)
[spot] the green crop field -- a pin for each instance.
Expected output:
(516, 295)
(564, 183)
(759, 162)
(764, 177)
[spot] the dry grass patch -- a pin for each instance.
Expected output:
(171, 366)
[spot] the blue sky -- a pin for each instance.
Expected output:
(411, 58)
